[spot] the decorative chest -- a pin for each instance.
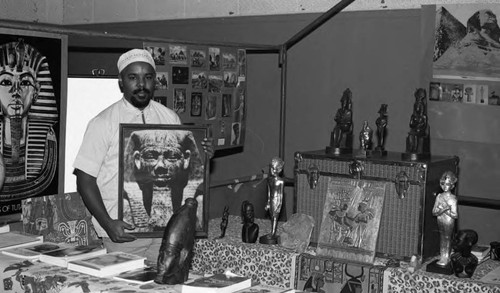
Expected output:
(407, 226)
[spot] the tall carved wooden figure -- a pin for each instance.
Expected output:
(381, 123)
(176, 251)
(249, 230)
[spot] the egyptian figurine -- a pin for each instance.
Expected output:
(249, 230)
(275, 187)
(445, 209)
(224, 222)
(365, 140)
(176, 250)
(381, 123)
(341, 136)
(464, 263)
(418, 139)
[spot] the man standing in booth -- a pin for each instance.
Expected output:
(96, 165)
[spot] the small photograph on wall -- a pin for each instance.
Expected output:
(180, 75)
(198, 58)
(457, 93)
(469, 93)
(235, 133)
(180, 100)
(466, 41)
(493, 99)
(30, 94)
(228, 60)
(215, 83)
(482, 94)
(161, 80)
(196, 104)
(226, 105)
(211, 108)
(230, 79)
(177, 54)
(214, 58)
(199, 79)
(158, 54)
(239, 104)
(160, 166)
(452, 92)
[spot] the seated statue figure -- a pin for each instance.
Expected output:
(417, 141)
(341, 137)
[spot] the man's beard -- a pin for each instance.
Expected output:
(141, 103)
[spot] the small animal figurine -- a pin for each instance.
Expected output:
(176, 251)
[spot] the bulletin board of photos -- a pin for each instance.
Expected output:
(469, 92)
(204, 85)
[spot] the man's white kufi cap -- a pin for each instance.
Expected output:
(135, 55)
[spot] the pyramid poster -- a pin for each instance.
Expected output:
(467, 41)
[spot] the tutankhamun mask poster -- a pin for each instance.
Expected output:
(30, 95)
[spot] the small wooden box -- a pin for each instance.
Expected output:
(407, 226)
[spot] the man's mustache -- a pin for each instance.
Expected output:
(141, 90)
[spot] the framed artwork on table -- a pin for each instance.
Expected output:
(160, 167)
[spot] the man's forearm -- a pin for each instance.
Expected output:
(89, 191)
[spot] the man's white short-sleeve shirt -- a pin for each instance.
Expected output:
(98, 154)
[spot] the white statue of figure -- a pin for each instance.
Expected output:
(445, 209)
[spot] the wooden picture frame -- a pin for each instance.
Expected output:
(151, 186)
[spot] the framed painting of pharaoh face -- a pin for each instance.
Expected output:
(160, 167)
(32, 74)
